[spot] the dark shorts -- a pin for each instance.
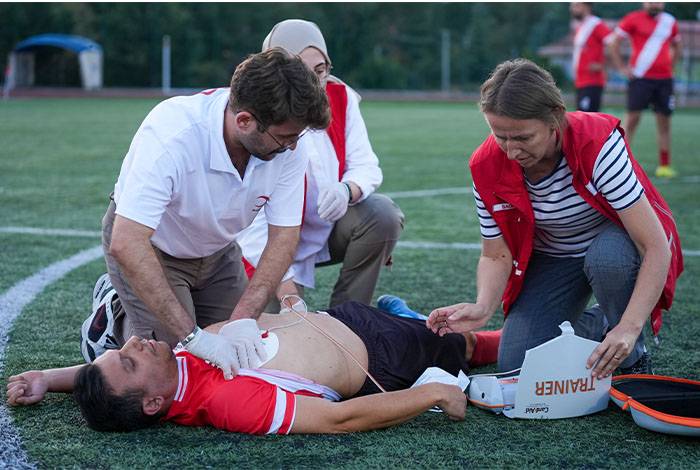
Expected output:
(399, 349)
(588, 98)
(643, 92)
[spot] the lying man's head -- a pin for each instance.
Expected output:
(128, 389)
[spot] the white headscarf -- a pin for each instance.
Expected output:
(295, 36)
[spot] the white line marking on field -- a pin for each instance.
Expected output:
(428, 192)
(12, 303)
(51, 231)
(439, 246)
(466, 189)
(690, 179)
(415, 245)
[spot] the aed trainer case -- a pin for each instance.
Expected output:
(668, 405)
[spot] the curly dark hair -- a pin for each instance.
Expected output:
(103, 409)
(277, 87)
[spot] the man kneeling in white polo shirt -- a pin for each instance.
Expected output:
(198, 171)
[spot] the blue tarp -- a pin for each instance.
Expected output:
(64, 41)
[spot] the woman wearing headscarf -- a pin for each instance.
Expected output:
(344, 220)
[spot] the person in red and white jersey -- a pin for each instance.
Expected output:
(588, 62)
(296, 391)
(656, 46)
(345, 220)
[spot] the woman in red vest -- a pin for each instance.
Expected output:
(344, 220)
(566, 212)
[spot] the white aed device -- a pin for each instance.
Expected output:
(553, 382)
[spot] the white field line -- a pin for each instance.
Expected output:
(474, 246)
(51, 231)
(691, 179)
(428, 192)
(415, 245)
(12, 302)
(438, 246)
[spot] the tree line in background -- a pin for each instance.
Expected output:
(372, 45)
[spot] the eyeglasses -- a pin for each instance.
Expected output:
(281, 147)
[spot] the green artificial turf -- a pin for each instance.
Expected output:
(58, 162)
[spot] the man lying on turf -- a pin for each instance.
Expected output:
(295, 391)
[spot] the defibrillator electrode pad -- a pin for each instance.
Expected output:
(272, 345)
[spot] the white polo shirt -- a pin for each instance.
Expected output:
(178, 179)
(361, 167)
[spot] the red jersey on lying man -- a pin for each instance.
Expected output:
(256, 401)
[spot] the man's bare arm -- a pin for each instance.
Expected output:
(274, 262)
(615, 52)
(131, 247)
(316, 415)
(30, 387)
(675, 49)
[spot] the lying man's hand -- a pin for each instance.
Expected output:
(217, 350)
(27, 388)
(245, 337)
(454, 402)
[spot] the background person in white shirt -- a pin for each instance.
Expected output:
(345, 221)
(198, 171)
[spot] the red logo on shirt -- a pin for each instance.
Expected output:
(260, 203)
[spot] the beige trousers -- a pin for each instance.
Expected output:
(208, 288)
(363, 240)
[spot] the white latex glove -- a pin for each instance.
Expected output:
(245, 337)
(217, 350)
(333, 201)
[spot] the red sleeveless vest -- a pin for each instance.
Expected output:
(500, 181)
(338, 101)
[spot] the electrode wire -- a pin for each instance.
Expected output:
(333, 340)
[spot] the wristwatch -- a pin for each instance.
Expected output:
(187, 339)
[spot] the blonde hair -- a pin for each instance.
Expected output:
(519, 89)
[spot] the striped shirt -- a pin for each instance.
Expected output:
(565, 225)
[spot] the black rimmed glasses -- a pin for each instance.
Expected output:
(281, 147)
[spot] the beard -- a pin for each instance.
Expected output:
(577, 16)
(256, 148)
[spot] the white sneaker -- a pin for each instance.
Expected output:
(102, 286)
(97, 332)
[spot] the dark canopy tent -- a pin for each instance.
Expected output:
(20, 69)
